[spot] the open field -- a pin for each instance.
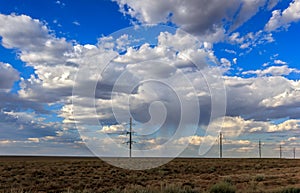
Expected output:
(60, 174)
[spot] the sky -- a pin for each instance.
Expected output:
(73, 72)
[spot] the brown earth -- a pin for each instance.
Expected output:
(61, 174)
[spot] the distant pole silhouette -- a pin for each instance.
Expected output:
(130, 142)
(130, 137)
(280, 151)
(294, 151)
(259, 148)
(221, 145)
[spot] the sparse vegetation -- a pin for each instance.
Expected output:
(259, 178)
(222, 187)
(289, 190)
(212, 169)
(89, 175)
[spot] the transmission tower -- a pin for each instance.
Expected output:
(130, 141)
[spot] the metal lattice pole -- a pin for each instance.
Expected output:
(130, 137)
(130, 141)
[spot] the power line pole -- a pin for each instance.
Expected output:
(221, 145)
(259, 148)
(294, 151)
(280, 151)
(130, 142)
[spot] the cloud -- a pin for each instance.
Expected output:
(197, 140)
(62, 4)
(225, 62)
(173, 60)
(290, 97)
(26, 147)
(122, 83)
(274, 70)
(34, 139)
(280, 62)
(32, 35)
(25, 117)
(234, 60)
(288, 125)
(10, 101)
(113, 129)
(230, 51)
(241, 136)
(251, 39)
(247, 10)
(233, 127)
(235, 37)
(52, 84)
(258, 94)
(230, 126)
(238, 142)
(13, 102)
(76, 23)
(284, 18)
(273, 3)
(36, 44)
(201, 18)
(22, 125)
(292, 139)
(25, 114)
(48, 55)
(8, 76)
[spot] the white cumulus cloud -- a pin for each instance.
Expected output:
(284, 18)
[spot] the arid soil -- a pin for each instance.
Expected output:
(61, 174)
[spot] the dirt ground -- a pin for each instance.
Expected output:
(61, 174)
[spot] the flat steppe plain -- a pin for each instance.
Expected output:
(77, 174)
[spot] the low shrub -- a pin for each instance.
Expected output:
(289, 190)
(222, 187)
(259, 178)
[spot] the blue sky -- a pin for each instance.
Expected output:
(72, 71)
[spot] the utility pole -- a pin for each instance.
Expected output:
(294, 151)
(259, 148)
(130, 132)
(280, 151)
(221, 145)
